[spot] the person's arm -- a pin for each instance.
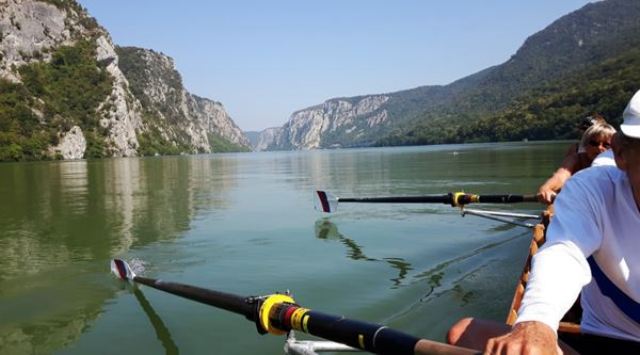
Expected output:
(559, 271)
(548, 191)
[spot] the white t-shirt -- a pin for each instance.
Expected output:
(604, 158)
(595, 215)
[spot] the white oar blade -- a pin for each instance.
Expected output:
(121, 269)
(325, 202)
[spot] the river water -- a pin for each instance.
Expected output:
(245, 224)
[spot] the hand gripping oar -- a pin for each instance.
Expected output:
(327, 202)
(278, 314)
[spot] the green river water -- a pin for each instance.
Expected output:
(245, 224)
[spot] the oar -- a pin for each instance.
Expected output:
(278, 314)
(326, 202)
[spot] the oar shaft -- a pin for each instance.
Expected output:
(230, 302)
(507, 198)
(371, 337)
(278, 313)
(400, 199)
(455, 199)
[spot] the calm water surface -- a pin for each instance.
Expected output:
(245, 224)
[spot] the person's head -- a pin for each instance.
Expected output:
(596, 139)
(626, 145)
(588, 121)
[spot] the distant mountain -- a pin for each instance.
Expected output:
(65, 93)
(252, 136)
(549, 112)
(575, 44)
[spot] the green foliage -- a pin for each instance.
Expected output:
(72, 84)
(66, 91)
(566, 50)
(21, 137)
(549, 112)
(95, 145)
(152, 143)
(221, 145)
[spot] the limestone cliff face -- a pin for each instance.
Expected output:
(218, 121)
(121, 112)
(269, 138)
(30, 31)
(180, 118)
(334, 124)
(128, 116)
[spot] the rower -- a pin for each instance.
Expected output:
(591, 250)
(595, 140)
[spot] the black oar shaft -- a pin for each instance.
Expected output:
(278, 313)
(507, 198)
(230, 302)
(371, 337)
(400, 199)
(454, 199)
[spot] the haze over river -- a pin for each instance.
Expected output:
(245, 224)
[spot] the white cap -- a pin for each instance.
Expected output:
(631, 116)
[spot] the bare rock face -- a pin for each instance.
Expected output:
(31, 31)
(72, 144)
(120, 111)
(270, 137)
(28, 30)
(184, 119)
(311, 128)
(217, 120)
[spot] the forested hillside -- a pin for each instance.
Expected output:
(536, 94)
(549, 112)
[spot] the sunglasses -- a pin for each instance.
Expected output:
(596, 144)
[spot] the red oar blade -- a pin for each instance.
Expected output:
(121, 269)
(325, 202)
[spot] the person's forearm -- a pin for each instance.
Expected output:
(558, 274)
(557, 180)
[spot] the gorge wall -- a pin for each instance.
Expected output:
(67, 93)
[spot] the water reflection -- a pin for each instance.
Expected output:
(74, 186)
(327, 230)
(476, 260)
(162, 332)
(60, 222)
(419, 170)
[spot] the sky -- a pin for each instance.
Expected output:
(265, 60)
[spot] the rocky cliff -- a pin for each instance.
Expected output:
(176, 117)
(337, 123)
(64, 95)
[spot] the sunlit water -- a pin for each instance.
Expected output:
(245, 224)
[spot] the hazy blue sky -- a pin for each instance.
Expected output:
(266, 59)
